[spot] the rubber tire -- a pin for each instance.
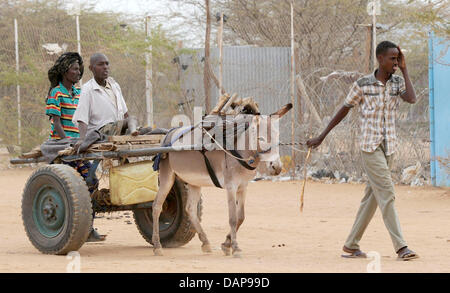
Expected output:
(180, 232)
(78, 209)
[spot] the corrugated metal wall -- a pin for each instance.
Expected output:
(259, 72)
(439, 81)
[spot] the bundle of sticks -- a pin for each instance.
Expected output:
(229, 118)
(233, 105)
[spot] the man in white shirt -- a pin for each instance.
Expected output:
(101, 102)
(101, 107)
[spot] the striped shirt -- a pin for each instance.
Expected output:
(61, 103)
(378, 105)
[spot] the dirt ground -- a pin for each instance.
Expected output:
(275, 236)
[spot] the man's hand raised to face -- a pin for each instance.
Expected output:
(401, 59)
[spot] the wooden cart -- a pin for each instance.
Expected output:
(58, 209)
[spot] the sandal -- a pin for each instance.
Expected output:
(354, 253)
(95, 237)
(406, 254)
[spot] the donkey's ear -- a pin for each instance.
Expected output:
(282, 111)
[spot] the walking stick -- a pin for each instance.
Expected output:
(304, 179)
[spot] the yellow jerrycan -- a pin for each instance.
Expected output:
(133, 183)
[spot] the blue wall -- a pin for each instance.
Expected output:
(439, 86)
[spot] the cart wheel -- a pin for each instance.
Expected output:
(56, 209)
(175, 228)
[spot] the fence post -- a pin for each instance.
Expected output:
(16, 40)
(374, 35)
(148, 76)
(77, 20)
(77, 12)
(298, 93)
(292, 88)
(206, 80)
(220, 44)
(369, 50)
(431, 109)
(374, 8)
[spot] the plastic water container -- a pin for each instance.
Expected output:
(133, 183)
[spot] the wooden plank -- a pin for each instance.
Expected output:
(139, 138)
(104, 146)
(135, 146)
(32, 154)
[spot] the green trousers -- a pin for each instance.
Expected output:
(379, 192)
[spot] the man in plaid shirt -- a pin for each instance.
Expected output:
(377, 95)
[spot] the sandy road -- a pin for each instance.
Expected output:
(275, 236)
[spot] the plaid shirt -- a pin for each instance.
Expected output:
(378, 104)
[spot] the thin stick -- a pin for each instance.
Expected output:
(229, 102)
(304, 180)
(222, 101)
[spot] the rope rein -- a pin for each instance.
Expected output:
(215, 142)
(291, 143)
(302, 194)
(242, 159)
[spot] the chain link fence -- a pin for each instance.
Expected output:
(331, 49)
(332, 45)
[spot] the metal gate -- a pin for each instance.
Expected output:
(439, 87)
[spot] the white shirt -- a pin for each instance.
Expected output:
(110, 92)
(95, 106)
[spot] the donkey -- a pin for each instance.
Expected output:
(232, 174)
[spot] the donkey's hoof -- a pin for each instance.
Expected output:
(206, 248)
(237, 253)
(226, 249)
(158, 251)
